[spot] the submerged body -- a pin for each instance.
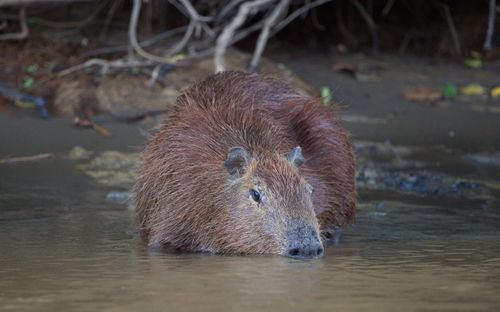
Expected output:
(244, 164)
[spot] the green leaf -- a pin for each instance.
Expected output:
(475, 61)
(28, 82)
(450, 91)
(135, 71)
(326, 95)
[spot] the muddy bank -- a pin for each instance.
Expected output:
(376, 110)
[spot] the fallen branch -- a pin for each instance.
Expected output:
(264, 34)
(23, 34)
(26, 158)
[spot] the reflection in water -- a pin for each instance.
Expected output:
(64, 248)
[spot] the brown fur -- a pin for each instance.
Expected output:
(186, 198)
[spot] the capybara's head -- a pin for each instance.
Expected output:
(271, 204)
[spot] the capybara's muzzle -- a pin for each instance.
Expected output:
(304, 242)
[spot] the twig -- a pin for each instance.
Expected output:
(193, 14)
(369, 21)
(453, 30)
(24, 28)
(26, 158)
(114, 7)
(342, 27)
(264, 34)
(86, 123)
(405, 42)
(100, 129)
(491, 27)
(296, 14)
(315, 21)
(225, 37)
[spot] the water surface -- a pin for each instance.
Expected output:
(65, 248)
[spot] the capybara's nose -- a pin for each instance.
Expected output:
(311, 249)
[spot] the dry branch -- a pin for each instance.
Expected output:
(195, 21)
(453, 30)
(491, 26)
(26, 158)
(111, 13)
(296, 14)
(264, 34)
(369, 21)
(225, 37)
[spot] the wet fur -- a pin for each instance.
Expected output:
(183, 190)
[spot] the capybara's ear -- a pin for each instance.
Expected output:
(295, 157)
(237, 161)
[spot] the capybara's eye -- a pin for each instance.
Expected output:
(256, 196)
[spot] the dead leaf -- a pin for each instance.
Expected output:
(495, 92)
(422, 94)
(473, 89)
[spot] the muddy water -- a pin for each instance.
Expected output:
(63, 247)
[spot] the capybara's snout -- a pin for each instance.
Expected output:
(304, 242)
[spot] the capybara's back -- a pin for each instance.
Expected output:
(244, 164)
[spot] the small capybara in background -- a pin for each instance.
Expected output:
(243, 164)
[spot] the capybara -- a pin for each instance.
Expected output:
(243, 164)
